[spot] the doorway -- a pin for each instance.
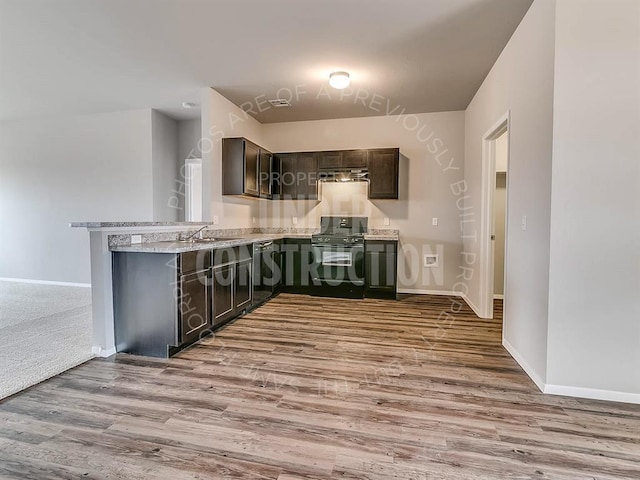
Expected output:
(499, 215)
(495, 162)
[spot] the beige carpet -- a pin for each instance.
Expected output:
(44, 330)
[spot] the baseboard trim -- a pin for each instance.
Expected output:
(475, 309)
(417, 291)
(593, 393)
(99, 352)
(498, 297)
(46, 282)
(531, 373)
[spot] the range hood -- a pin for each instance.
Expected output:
(343, 175)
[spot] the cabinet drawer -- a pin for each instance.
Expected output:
(194, 261)
(224, 256)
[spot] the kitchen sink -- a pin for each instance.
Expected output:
(203, 240)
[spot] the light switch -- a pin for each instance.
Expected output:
(253, 219)
(216, 220)
(294, 220)
(523, 225)
(434, 221)
(136, 239)
(386, 221)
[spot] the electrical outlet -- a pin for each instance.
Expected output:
(136, 239)
(434, 221)
(253, 220)
(294, 220)
(523, 224)
(216, 220)
(431, 260)
(386, 221)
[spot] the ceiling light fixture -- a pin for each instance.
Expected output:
(339, 80)
(189, 105)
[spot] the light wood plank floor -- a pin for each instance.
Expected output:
(310, 388)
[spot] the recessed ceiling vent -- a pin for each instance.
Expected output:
(279, 102)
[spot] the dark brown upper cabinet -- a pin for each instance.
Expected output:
(329, 159)
(297, 176)
(342, 159)
(307, 178)
(246, 168)
(354, 159)
(266, 173)
(383, 166)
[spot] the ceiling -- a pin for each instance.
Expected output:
(89, 56)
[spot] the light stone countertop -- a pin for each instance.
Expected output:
(221, 242)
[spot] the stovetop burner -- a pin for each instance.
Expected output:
(341, 231)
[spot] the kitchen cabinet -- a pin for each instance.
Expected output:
(266, 174)
(222, 280)
(250, 170)
(298, 176)
(381, 265)
(307, 176)
(161, 301)
(297, 260)
(354, 159)
(231, 282)
(329, 159)
(383, 166)
(247, 168)
(243, 285)
(342, 159)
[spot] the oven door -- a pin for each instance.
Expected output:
(338, 265)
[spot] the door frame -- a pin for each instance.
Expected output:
(502, 125)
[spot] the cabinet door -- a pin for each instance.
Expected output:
(266, 161)
(383, 173)
(329, 159)
(223, 285)
(193, 306)
(243, 285)
(297, 259)
(354, 159)
(307, 176)
(251, 163)
(381, 269)
(287, 180)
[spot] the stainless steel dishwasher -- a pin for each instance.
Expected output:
(263, 271)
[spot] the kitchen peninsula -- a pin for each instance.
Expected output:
(199, 284)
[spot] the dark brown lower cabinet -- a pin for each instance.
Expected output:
(231, 283)
(381, 267)
(243, 285)
(161, 301)
(297, 260)
(193, 306)
(222, 281)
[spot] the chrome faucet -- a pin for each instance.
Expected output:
(189, 237)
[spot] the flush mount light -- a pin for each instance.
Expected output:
(339, 80)
(189, 105)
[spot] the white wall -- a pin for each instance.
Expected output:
(164, 153)
(76, 168)
(220, 119)
(594, 304)
(431, 149)
(521, 81)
